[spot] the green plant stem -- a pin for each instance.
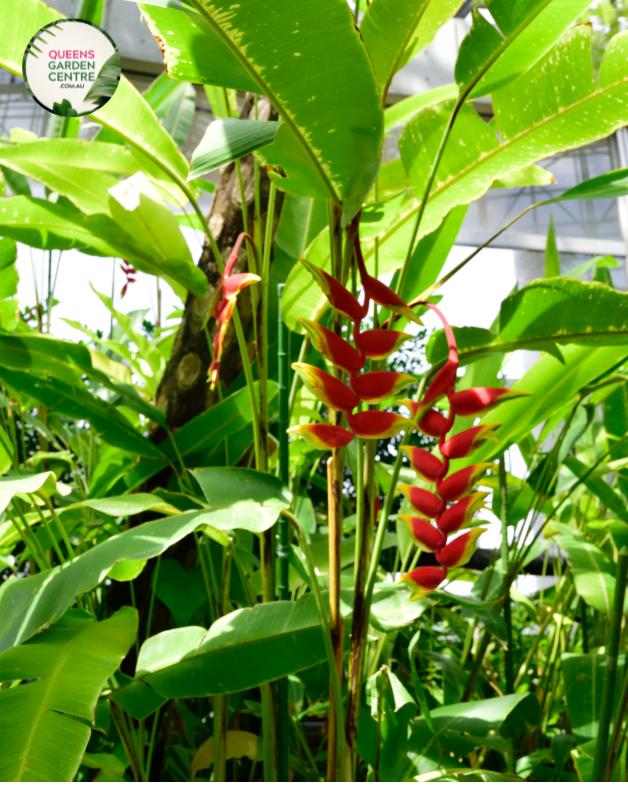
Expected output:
(220, 738)
(619, 733)
(305, 345)
(329, 649)
(59, 524)
(127, 742)
(151, 743)
(600, 768)
(151, 604)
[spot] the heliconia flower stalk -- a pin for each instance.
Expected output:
(464, 443)
(445, 379)
(333, 347)
(477, 400)
(423, 581)
(424, 534)
(428, 466)
(325, 437)
(461, 513)
(424, 501)
(461, 483)
(340, 298)
(460, 549)
(331, 391)
(435, 424)
(377, 424)
(379, 344)
(377, 386)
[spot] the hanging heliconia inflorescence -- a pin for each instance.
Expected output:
(374, 387)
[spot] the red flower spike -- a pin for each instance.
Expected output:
(461, 513)
(457, 552)
(443, 381)
(340, 298)
(377, 424)
(428, 466)
(423, 581)
(460, 484)
(476, 400)
(461, 445)
(331, 391)
(379, 344)
(323, 436)
(435, 424)
(376, 386)
(333, 347)
(424, 534)
(424, 501)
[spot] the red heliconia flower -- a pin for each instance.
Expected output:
(323, 436)
(379, 344)
(442, 382)
(424, 534)
(428, 466)
(423, 581)
(461, 445)
(460, 484)
(424, 501)
(340, 298)
(435, 424)
(461, 514)
(333, 347)
(129, 270)
(476, 400)
(331, 391)
(460, 549)
(376, 386)
(380, 293)
(377, 424)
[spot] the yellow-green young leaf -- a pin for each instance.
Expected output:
(6, 452)
(310, 62)
(237, 745)
(394, 31)
(490, 57)
(401, 112)
(42, 736)
(552, 259)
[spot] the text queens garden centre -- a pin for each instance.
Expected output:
(81, 69)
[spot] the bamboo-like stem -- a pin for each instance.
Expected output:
(283, 548)
(221, 712)
(503, 503)
(618, 732)
(600, 769)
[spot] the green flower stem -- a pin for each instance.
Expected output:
(600, 768)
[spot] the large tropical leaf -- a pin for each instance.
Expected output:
(538, 115)
(227, 139)
(394, 31)
(337, 153)
(584, 684)
(43, 733)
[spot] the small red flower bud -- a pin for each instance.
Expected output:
(459, 550)
(424, 501)
(377, 424)
(423, 581)
(476, 400)
(331, 391)
(323, 436)
(460, 484)
(333, 347)
(461, 445)
(424, 534)
(379, 344)
(435, 424)
(461, 513)
(428, 466)
(376, 386)
(340, 298)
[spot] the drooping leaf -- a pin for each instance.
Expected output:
(228, 139)
(43, 734)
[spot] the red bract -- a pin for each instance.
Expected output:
(424, 534)
(476, 400)
(424, 501)
(460, 484)
(323, 436)
(435, 424)
(460, 549)
(376, 424)
(428, 466)
(341, 299)
(461, 445)
(423, 581)
(460, 514)
(333, 347)
(380, 293)
(442, 382)
(376, 386)
(331, 391)
(379, 344)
